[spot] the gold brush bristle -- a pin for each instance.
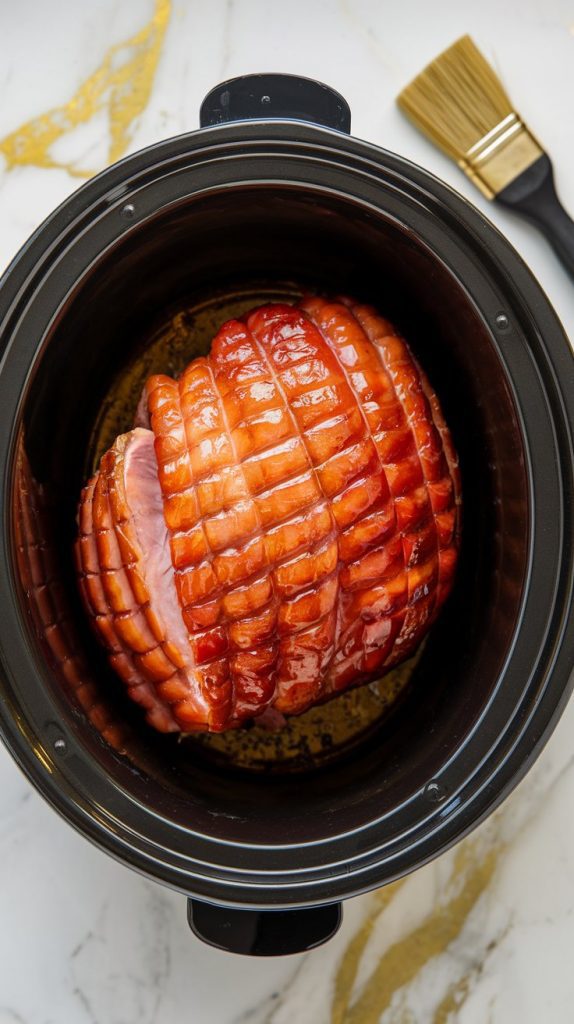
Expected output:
(459, 102)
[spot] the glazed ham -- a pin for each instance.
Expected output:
(283, 523)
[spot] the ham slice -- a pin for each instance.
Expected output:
(126, 577)
(286, 528)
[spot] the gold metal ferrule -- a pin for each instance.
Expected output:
(500, 156)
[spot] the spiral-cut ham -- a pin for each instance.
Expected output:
(125, 580)
(287, 528)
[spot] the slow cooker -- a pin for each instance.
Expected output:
(273, 195)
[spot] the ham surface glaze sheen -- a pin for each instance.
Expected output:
(283, 524)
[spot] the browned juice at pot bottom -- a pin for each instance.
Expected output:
(327, 730)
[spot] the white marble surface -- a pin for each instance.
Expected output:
(83, 940)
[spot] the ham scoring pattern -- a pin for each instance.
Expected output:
(311, 495)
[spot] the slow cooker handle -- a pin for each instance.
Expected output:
(269, 96)
(263, 932)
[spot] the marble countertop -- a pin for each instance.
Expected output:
(485, 933)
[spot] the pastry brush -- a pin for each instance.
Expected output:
(459, 102)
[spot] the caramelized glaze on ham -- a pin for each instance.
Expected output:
(287, 528)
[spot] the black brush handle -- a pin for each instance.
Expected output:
(533, 194)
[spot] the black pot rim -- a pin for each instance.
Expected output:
(352, 861)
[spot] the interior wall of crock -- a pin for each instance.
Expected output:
(223, 242)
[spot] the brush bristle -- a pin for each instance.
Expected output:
(457, 99)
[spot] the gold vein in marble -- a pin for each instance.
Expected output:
(472, 872)
(453, 999)
(122, 83)
(349, 965)
(458, 992)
